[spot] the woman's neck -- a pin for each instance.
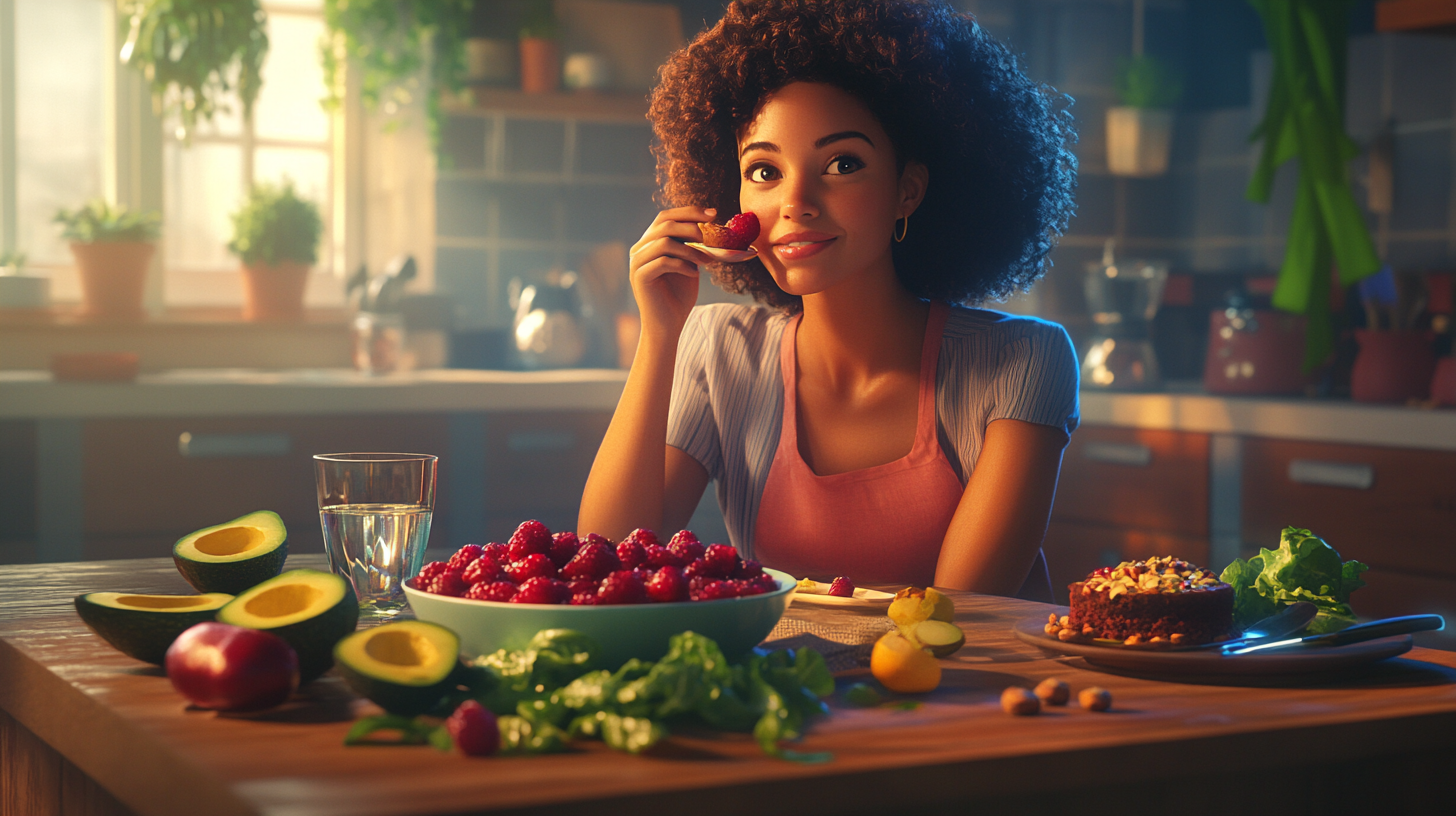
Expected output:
(861, 329)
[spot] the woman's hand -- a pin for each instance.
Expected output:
(664, 270)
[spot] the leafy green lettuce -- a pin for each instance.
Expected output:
(1304, 568)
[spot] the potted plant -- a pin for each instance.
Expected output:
(113, 247)
(1139, 131)
(540, 48)
(276, 236)
(194, 52)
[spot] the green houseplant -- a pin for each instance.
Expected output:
(276, 236)
(1304, 121)
(113, 247)
(401, 49)
(1139, 131)
(194, 52)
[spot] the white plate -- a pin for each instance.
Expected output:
(724, 255)
(861, 595)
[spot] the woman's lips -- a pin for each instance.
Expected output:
(795, 250)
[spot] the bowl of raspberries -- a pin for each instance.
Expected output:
(630, 596)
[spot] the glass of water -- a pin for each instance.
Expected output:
(375, 509)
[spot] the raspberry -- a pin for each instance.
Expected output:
(748, 569)
(531, 537)
(463, 556)
(667, 585)
(542, 590)
(630, 553)
(696, 569)
(659, 556)
(716, 590)
(738, 233)
(448, 583)
(499, 591)
(721, 560)
(841, 587)
(563, 547)
(584, 599)
(595, 560)
(498, 552)
(767, 582)
(428, 573)
(747, 587)
(582, 586)
(643, 536)
(473, 729)
(484, 569)
(534, 565)
(622, 587)
(685, 545)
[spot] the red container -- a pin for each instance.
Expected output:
(1443, 383)
(1392, 366)
(1255, 352)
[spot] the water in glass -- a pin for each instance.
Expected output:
(377, 547)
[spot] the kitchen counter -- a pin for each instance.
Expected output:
(88, 727)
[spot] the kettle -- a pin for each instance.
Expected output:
(547, 330)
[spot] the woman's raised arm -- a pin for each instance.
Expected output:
(1002, 517)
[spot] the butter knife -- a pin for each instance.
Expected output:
(1358, 633)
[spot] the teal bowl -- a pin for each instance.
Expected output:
(624, 632)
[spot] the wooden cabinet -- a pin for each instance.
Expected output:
(148, 482)
(536, 467)
(1128, 494)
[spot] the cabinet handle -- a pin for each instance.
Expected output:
(1331, 474)
(540, 441)
(233, 446)
(1117, 453)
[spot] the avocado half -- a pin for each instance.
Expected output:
(144, 626)
(405, 667)
(234, 556)
(311, 610)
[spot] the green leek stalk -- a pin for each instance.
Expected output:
(1305, 121)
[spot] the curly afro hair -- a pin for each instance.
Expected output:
(949, 96)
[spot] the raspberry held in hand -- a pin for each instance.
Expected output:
(740, 231)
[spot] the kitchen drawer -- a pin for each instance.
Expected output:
(1388, 593)
(536, 466)
(1142, 479)
(1388, 507)
(1074, 549)
(140, 485)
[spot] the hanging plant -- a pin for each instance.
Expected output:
(1305, 121)
(1145, 81)
(402, 49)
(195, 52)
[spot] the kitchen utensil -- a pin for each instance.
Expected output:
(548, 328)
(722, 254)
(861, 595)
(1286, 621)
(1123, 298)
(375, 509)
(624, 632)
(1359, 633)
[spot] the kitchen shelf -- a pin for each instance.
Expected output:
(1423, 16)
(593, 105)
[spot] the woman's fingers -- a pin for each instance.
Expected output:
(666, 265)
(680, 223)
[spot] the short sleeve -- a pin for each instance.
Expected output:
(691, 426)
(1037, 377)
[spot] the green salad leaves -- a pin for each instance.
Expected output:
(1304, 568)
(555, 690)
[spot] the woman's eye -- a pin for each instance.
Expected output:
(762, 172)
(844, 165)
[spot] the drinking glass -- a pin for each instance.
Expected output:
(375, 509)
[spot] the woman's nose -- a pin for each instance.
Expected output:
(799, 203)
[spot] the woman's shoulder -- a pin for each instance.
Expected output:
(971, 326)
(729, 334)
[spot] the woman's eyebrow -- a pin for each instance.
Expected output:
(818, 143)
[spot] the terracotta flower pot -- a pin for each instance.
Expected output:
(113, 277)
(540, 65)
(1392, 366)
(1138, 141)
(274, 292)
(1443, 382)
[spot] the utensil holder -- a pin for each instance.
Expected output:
(1392, 366)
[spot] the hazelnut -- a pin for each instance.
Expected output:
(1051, 628)
(1053, 691)
(1052, 618)
(1087, 629)
(1066, 635)
(1019, 701)
(1092, 699)
(1177, 638)
(1132, 640)
(1066, 620)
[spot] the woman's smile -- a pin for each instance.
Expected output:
(802, 244)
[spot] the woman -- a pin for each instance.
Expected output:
(857, 423)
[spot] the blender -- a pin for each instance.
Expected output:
(1123, 297)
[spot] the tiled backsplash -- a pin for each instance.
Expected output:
(520, 196)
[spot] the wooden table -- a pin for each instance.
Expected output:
(87, 730)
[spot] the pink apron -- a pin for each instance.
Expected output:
(882, 524)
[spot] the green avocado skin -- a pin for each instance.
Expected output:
(313, 639)
(233, 577)
(406, 701)
(140, 633)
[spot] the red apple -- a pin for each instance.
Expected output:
(231, 668)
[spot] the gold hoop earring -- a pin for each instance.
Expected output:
(902, 232)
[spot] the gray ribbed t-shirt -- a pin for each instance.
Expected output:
(728, 393)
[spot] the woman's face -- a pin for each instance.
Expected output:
(819, 172)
